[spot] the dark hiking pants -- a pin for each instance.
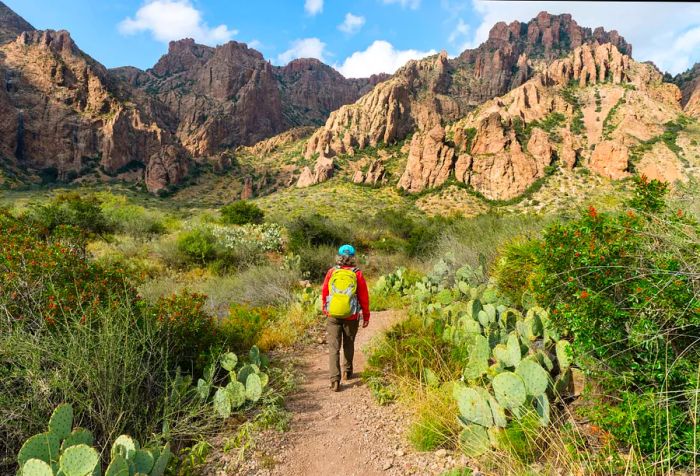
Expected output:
(341, 331)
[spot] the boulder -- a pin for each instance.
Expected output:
(610, 159)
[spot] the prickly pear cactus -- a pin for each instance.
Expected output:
(536, 378)
(472, 406)
(79, 460)
(509, 389)
(61, 421)
(36, 467)
(44, 447)
(118, 467)
(244, 372)
(222, 403)
(474, 440)
(237, 393)
(229, 361)
(125, 446)
(143, 461)
(253, 388)
(79, 436)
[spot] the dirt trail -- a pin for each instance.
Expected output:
(344, 433)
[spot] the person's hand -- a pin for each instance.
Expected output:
(365, 323)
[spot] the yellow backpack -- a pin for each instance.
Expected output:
(342, 293)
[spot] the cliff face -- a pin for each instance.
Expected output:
(594, 108)
(230, 95)
(68, 117)
(11, 24)
(689, 84)
(436, 90)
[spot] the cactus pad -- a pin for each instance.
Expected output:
(563, 349)
(469, 326)
(143, 461)
(229, 361)
(236, 391)
(535, 377)
(253, 388)
(61, 421)
(479, 353)
(222, 403)
(472, 406)
(430, 378)
(79, 436)
(118, 467)
(79, 460)
(264, 379)
(542, 409)
(124, 445)
(244, 372)
(509, 389)
(162, 462)
(474, 440)
(36, 467)
(498, 413)
(254, 356)
(514, 353)
(203, 389)
(43, 446)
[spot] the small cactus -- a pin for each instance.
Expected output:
(44, 447)
(472, 406)
(118, 467)
(536, 378)
(253, 388)
(474, 440)
(229, 361)
(509, 389)
(236, 392)
(79, 460)
(36, 467)
(222, 403)
(61, 421)
(254, 356)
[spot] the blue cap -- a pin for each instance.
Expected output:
(346, 250)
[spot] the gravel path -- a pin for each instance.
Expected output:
(344, 433)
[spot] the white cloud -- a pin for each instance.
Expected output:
(169, 20)
(255, 44)
(666, 33)
(412, 4)
(303, 48)
(352, 23)
(379, 57)
(313, 7)
(460, 31)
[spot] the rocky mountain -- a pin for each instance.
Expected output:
(65, 116)
(596, 108)
(230, 95)
(69, 118)
(437, 89)
(689, 84)
(11, 24)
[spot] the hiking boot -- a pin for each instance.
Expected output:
(335, 386)
(348, 375)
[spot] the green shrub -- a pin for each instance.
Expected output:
(242, 212)
(72, 209)
(317, 230)
(244, 325)
(129, 218)
(197, 245)
(315, 261)
(514, 267)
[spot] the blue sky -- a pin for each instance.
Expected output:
(359, 37)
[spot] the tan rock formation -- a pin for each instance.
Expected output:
(430, 161)
(438, 90)
(323, 170)
(610, 159)
(375, 174)
(660, 163)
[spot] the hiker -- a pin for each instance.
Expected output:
(344, 297)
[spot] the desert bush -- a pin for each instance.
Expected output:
(315, 261)
(244, 325)
(626, 286)
(130, 218)
(242, 212)
(513, 268)
(72, 209)
(317, 230)
(197, 245)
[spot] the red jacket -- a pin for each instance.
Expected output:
(362, 293)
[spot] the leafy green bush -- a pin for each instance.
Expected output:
(197, 245)
(317, 230)
(626, 286)
(130, 218)
(72, 209)
(244, 325)
(242, 212)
